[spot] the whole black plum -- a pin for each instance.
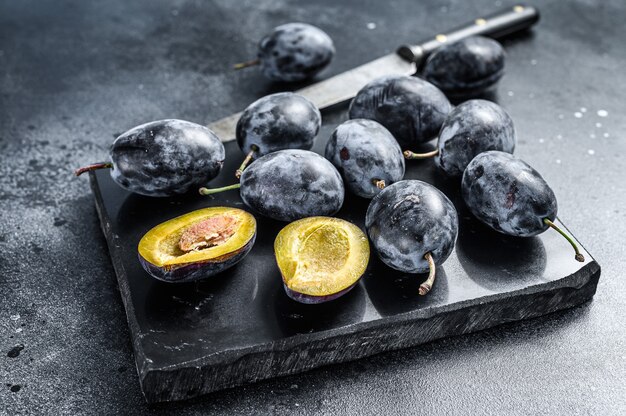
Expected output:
(290, 184)
(473, 127)
(276, 122)
(293, 52)
(412, 109)
(466, 67)
(163, 158)
(366, 155)
(413, 226)
(508, 195)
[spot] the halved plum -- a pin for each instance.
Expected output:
(197, 245)
(320, 258)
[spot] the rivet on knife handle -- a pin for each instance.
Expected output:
(497, 25)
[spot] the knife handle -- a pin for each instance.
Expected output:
(497, 25)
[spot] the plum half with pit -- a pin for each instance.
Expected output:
(473, 127)
(413, 227)
(366, 155)
(293, 52)
(508, 195)
(467, 67)
(197, 245)
(320, 258)
(163, 158)
(288, 185)
(412, 109)
(277, 122)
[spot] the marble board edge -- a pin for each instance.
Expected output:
(304, 352)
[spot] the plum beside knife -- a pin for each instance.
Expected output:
(411, 224)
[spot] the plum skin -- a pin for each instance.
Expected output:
(199, 270)
(412, 109)
(473, 127)
(363, 150)
(295, 52)
(408, 219)
(291, 184)
(276, 122)
(166, 157)
(466, 67)
(507, 194)
(315, 300)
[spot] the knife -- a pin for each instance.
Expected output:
(405, 61)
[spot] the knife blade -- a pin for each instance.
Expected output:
(405, 61)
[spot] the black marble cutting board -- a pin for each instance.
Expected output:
(240, 327)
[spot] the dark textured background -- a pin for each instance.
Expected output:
(73, 74)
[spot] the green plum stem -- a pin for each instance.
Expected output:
(245, 162)
(209, 191)
(428, 284)
(94, 166)
(411, 155)
(380, 183)
(246, 64)
(578, 255)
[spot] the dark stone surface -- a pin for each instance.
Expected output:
(73, 74)
(195, 338)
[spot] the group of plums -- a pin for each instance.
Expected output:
(412, 225)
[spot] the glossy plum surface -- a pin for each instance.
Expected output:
(408, 219)
(276, 122)
(295, 52)
(166, 157)
(412, 109)
(291, 184)
(466, 67)
(507, 194)
(473, 127)
(364, 151)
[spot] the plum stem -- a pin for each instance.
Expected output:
(245, 162)
(209, 191)
(246, 64)
(380, 183)
(93, 166)
(428, 284)
(411, 155)
(578, 256)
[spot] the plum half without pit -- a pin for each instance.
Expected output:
(320, 258)
(197, 245)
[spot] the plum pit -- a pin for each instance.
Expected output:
(207, 233)
(197, 245)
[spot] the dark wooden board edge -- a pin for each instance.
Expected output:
(307, 351)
